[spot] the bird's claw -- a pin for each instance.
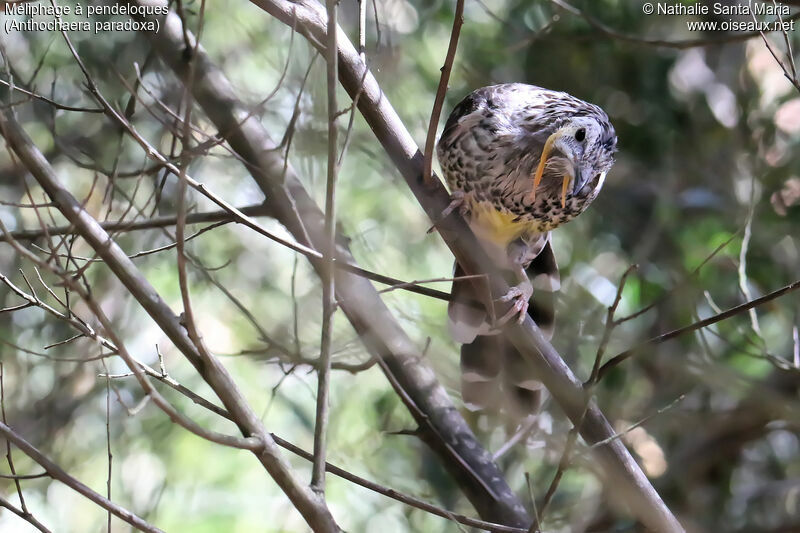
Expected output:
(520, 295)
(457, 201)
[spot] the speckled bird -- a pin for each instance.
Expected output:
(520, 161)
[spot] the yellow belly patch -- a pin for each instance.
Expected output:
(497, 227)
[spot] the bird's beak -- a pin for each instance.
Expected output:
(579, 181)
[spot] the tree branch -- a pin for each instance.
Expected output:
(733, 311)
(56, 472)
(630, 485)
(441, 91)
(224, 215)
(213, 372)
(441, 426)
(327, 275)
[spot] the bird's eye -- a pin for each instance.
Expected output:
(580, 135)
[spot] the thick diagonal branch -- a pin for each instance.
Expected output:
(441, 426)
(622, 473)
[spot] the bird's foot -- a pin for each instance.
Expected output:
(520, 295)
(457, 201)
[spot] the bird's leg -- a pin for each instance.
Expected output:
(519, 294)
(457, 201)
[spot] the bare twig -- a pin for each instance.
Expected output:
(156, 222)
(742, 270)
(536, 518)
(53, 103)
(247, 443)
(685, 280)
(398, 496)
(9, 457)
(337, 471)
(362, 30)
(108, 446)
(619, 358)
(82, 326)
(224, 215)
(327, 275)
(25, 206)
(24, 476)
(441, 91)
(525, 428)
(188, 320)
(644, 420)
(589, 386)
(791, 76)
(28, 517)
(56, 472)
(313, 510)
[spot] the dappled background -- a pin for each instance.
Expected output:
(701, 199)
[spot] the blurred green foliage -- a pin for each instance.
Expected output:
(707, 135)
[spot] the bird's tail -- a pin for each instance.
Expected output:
(494, 375)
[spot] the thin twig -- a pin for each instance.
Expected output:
(9, 457)
(337, 471)
(362, 30)
(56, 472)
(82, 326)
(644, 420)
(328, 282)
(108, 445)
(114, 343)
(122, 226)
(525, 428)
(441, 91)
(742, 270)
(188, 320)
(398, 496)
(224, 215)
(53, 103)
(589, 386)
(786, 40)
(733, 311)
(682, 282)
(536, 521)
(28, 517)
(24, 476)
(792, 77)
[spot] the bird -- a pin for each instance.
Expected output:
(520, 160)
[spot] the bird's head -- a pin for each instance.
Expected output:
(586, 140)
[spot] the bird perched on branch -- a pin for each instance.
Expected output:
(520, 161)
